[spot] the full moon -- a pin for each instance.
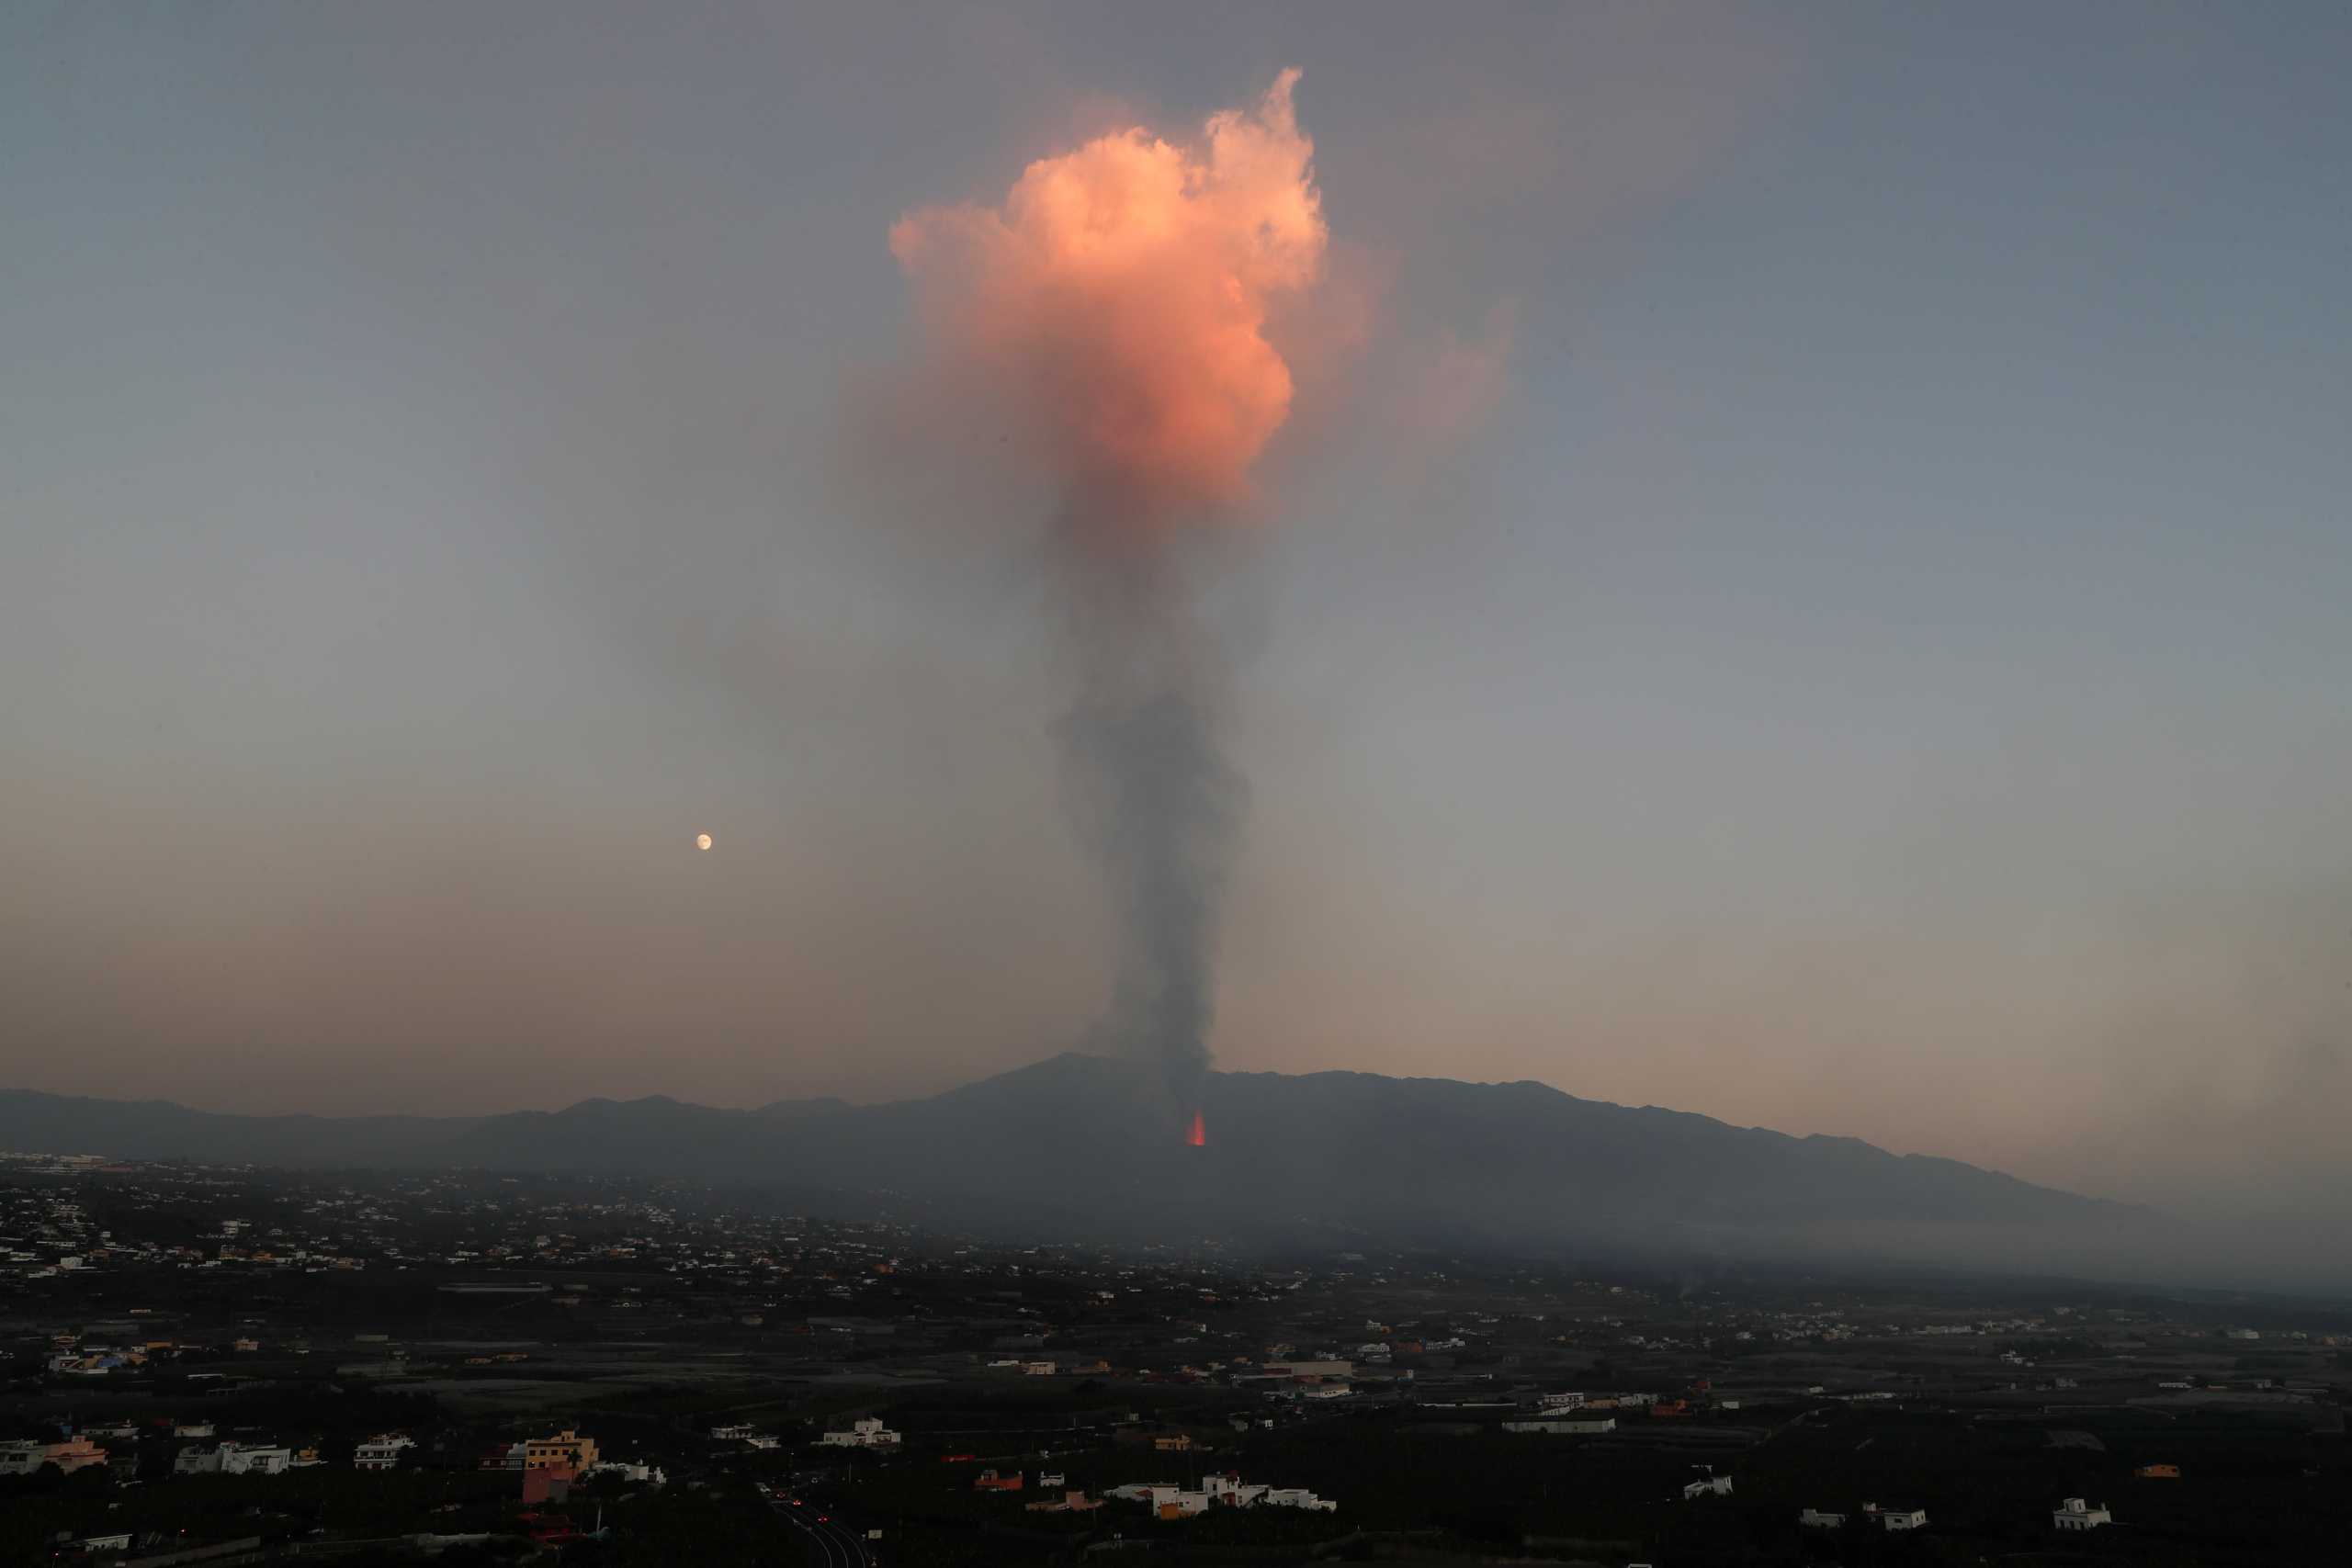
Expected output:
(702, 840)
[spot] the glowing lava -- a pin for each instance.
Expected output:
(1199, 1137)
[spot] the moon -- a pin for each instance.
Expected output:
(702, 840)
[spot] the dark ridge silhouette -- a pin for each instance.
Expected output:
(1081, 1145)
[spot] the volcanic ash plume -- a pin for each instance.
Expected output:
(1118, 300)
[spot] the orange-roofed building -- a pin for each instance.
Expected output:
(567, 1448)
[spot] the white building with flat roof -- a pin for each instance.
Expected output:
(2074, 1513)
(238, 1459)
(629, 1470)
(381, 1451)
(869, 1433)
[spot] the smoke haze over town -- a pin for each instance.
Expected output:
(1775, 579)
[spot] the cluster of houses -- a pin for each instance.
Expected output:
(1324, 1378)
(2074, 1513)
(1072, 1501)
(1893, 1519)
(550, 1465)
(1085, 1366)
(1380, 1352)
(28, 1458)
(223, 1456)
(1171, 1501)
(230, 1457)
(1571, 1414)
(566, 1453)
(1564, 1425)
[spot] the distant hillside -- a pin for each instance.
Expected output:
(1088, 1144)
(158, 1129)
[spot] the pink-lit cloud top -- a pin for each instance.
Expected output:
(1120, 294)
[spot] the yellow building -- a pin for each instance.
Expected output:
(566, 1448)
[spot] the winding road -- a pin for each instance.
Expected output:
(827, 1540)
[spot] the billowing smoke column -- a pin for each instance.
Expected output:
(1119, 299)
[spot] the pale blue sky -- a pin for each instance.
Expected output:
(1863, 650)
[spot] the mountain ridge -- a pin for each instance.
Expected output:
(1091, 1145)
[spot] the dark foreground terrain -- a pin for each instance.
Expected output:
(603, 1368)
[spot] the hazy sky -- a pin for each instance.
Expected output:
(1806, 579)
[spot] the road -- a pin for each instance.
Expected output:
(827, 1540)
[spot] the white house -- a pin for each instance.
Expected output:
(734, 1434)
(636, 1469)
(381, 1451)
(1231, 1490)
(1897, 1518)
(236, 1459)
(2074, 1514)
(869, 1433)
(1815, 1520)
(1713, 1486)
